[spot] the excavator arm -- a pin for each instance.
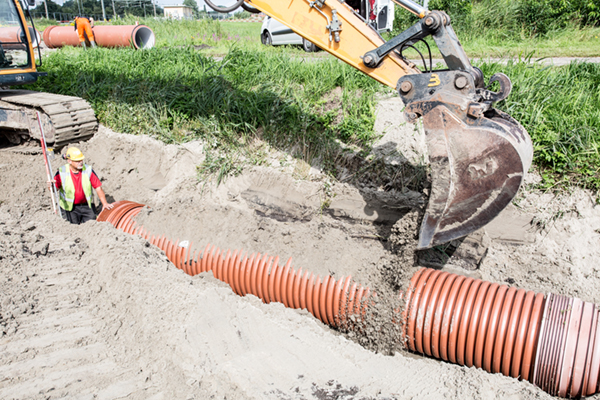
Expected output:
(337, 29)
(478, 155)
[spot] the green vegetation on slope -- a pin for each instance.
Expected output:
(560, 108)
(509, 28)
(177, 93)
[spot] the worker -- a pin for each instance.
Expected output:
(83, 26)
(74, 182)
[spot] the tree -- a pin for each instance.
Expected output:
(93, 8)
(140, 8)
(194, 5)
(52, 6)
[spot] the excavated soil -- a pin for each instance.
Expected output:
(89, 312)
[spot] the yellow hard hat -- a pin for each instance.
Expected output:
(74, 154)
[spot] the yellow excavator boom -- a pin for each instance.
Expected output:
(356, 37)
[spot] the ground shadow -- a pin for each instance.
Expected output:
(212, 96)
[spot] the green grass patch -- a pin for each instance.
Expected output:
(42, 23)
(512, 28)
(173, 33)
(560, 108)
(572, 41)
(179, 94)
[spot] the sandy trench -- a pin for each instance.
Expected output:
(93, 313)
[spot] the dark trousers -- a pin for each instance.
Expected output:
(79, 214)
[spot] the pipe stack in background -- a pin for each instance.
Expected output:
(136, 36)
(551, 340)
(13, 37)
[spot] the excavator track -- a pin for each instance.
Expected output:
(65, 119)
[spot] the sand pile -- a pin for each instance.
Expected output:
(91, 312)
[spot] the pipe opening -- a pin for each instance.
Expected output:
(144, 38)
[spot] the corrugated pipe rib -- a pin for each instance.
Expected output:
(137, 36)
(329, 300)
(12, 38)
(548, 340)
(551, 340)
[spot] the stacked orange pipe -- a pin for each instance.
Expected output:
(136, 36)
(12, 37)
(551, 341)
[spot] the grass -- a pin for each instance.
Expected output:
(572, 41)
(179, 91)
(513, 28)
(43, 23)
(560, 108)
(179, 94)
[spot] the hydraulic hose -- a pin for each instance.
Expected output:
(549, 340)
(250, 9)
(224, 9)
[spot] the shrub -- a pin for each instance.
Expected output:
(459, 11)
(242, 15)
(511, 18)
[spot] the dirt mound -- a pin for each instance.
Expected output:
(91, 312)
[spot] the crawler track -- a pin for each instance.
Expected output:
(66, 119)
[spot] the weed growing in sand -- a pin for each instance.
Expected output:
(326, 194)
(220, 166)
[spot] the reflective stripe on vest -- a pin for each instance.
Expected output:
(67, 188)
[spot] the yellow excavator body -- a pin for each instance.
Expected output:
(65, 119)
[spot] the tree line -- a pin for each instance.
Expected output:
(519, 18)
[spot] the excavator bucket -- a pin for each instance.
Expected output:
(477, 166)
(478, 155)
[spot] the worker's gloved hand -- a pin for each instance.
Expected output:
(108, 206)
(50, 183)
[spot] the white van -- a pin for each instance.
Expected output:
(379, 14)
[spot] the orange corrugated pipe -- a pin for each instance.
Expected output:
(329, 300)
(138, 36)
(551, 340)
